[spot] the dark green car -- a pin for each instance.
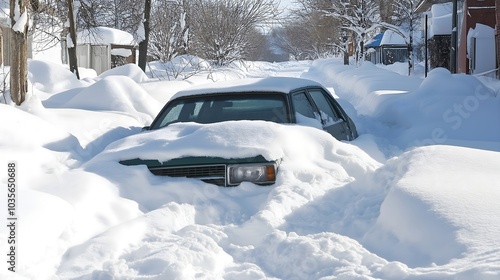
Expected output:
(277, 99)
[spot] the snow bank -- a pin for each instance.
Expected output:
(437, 217)
(45, 133)
(365, 87)
(429, 212)
(55, 202)
(130, 70)
(195, 229)
(65, 209)
(50, 77)
(442, 109)
(169, 230)
(445, 109)
(117, 93)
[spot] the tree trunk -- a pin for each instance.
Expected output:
(143, 45)
(410, 56)
(19, 54)
(73, 63)
(410, 44)
(346, 57)
(346, 50)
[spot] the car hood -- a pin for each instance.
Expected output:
(289, 144)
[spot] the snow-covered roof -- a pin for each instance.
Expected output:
(385, 38)
(375, 41)
(271, 84)
(392, 38)
(441, 19)
(105, 36)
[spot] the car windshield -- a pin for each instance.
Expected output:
(211, 109)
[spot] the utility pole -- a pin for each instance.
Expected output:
(454, 38)
(426, 46)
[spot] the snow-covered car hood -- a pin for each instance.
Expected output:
(235, 139)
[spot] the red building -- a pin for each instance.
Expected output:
(497, 36)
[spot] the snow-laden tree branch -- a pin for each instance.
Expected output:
(170, 30)
(358, 16)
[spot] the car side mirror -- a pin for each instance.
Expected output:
(145, 128)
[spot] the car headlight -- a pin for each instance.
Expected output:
(262, 173)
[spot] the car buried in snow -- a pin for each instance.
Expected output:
(280, 100)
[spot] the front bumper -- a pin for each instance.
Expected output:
(213, 170)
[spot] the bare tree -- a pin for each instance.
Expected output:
(221, 31)
(124, 15)
(127, 14)
(308, 33)
(47, 24)
(19, 19)
(94, 13)
(170, 32)
(386, 8)
(259, 45)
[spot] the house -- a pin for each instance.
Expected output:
(103, 48)
(387, 48)
(477, 49)
(373, 49)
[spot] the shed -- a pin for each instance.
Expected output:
(103, 48)
(5, 40)
(387, 47)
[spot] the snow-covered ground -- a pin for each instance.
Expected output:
(416, 196)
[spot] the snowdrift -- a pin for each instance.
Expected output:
(414, 197)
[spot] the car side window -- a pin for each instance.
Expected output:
(328, 114)
(302, 105)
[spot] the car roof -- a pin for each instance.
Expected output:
(270, 84)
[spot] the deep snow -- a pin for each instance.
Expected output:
(416, 196)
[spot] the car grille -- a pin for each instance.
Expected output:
(214, 174)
